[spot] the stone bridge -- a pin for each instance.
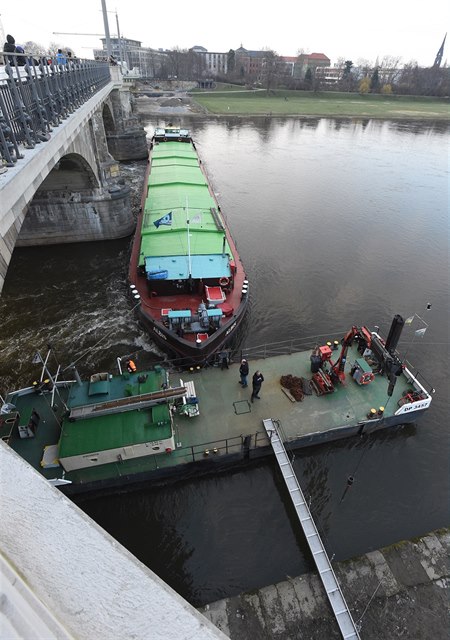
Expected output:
(59, 172)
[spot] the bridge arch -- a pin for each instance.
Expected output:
(70, 174)
(108, 120)
(71, 205)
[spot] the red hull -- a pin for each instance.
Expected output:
(151, 306)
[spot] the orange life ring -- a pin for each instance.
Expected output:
(224, 281)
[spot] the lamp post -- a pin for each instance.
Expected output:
(121, 56)
(105, 22)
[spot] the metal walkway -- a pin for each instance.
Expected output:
(340, 609)
(120, 405)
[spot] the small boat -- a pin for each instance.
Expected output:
(138, 425)
(185, 272)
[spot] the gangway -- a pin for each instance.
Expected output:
(335, 596)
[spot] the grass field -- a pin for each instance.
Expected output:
(239, 101)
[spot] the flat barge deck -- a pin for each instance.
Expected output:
(223, 426)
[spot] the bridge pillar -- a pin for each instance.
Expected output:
(128, 140)
(101, 214)
(83, 198)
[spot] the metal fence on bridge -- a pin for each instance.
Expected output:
(37, 95)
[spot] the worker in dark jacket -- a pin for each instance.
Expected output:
(257, 381)
(243, 370)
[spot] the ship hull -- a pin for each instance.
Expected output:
(187, 281)
(243, 458)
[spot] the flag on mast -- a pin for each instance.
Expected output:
(420, 332)
(409, 320)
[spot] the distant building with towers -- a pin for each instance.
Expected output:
(440, 54)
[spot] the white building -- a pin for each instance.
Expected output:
(214, 63)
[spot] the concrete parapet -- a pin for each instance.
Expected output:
(399, 591)
(62, 576)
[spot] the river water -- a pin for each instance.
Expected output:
(338, 223)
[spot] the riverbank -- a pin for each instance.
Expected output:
(294, 103)
(398, 591)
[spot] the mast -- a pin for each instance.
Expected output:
(188, 240)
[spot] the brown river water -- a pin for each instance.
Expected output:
(338, 222)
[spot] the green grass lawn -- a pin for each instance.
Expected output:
(285, 103)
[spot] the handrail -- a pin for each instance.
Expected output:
(284, 347)
(37, 95)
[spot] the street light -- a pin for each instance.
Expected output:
(107, 37)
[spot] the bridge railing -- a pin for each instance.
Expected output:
(37, 95)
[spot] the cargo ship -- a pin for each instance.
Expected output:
(118, 429)
(185, 271)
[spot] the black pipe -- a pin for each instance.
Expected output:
(394, 333)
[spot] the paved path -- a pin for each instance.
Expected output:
(400, 591)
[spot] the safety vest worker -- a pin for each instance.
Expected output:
(131, 366)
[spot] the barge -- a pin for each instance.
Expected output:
(119, 429)
(185, 270)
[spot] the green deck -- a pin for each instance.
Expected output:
(117, 429)
(177, 185)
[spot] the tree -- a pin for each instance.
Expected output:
(375, 81)
(364, 66)
(35, 49)
(271, 69)
(347, 80)
(364, 85)
(348, 67)
(386, 89)
(231, 61)
(309, 78)
(184, 64)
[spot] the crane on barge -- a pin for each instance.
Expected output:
(383, 357)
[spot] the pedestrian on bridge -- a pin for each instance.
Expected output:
(9, 47)
(60, 57)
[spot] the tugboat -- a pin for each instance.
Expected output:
(185, 271)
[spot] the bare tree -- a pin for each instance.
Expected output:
(271, 70)
(35, 49)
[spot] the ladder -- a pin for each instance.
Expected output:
(336, 598)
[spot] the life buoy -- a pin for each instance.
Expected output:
(224, 281)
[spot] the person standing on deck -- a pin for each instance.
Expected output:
(223, 356)
(257, 381)
(243, 370)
